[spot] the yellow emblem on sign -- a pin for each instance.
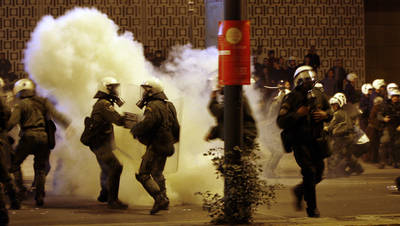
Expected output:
(233, 35)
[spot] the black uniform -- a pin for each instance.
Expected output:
(104, 115)
(249, 124)
(304, 136)
(365, 106)
(159, 130)
(31, 114)
(392, 110)
(5, 148)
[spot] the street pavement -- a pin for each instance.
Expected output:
(355, 200)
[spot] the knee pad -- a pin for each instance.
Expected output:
(158, 177)
(142, 178)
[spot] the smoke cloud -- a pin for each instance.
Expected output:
(68, 56)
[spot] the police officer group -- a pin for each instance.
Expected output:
(318, 129)
(311, 124)
(158, 130)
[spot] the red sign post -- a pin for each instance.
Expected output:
(234, 52)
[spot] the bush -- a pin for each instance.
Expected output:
(247, 189)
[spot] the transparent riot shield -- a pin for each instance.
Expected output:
(130, 93)
(173, 161)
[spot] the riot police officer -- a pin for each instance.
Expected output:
(104, 116)
(301, 117)
(32, 113)
(5, 149)
(159, 130)
(391, 116)
(216, 108)
(341, 130)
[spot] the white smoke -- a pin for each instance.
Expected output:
(67, 57)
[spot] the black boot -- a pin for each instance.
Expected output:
(161, 203)
(22, 190)
(117, 204)
(40, 181)
(39, 200)
(113, 189)
(314, 212)
(359, 169)
(103, 196)
(298, 192)
(165, 197)
(163, 190)
(12, 195)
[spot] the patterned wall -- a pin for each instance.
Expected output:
(290, 27)
(158, 24)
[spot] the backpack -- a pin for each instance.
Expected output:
(175, 127)
(88, 134)
(50, 126)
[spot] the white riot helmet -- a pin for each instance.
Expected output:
(149, 88)
(303, 74)
(394, 92)
(337, 101)
(378, 83)
(153, 86)
(341, 97)
(108, 85)
(352, 77)
(391, 86)
(23, 84)
(365, 87)
(319, 86)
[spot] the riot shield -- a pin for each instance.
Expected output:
(173, 161)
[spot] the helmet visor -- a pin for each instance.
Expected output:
(114, 89)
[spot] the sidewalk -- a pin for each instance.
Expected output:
(78, 211)
(355, 200)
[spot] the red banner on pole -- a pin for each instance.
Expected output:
(234, 52)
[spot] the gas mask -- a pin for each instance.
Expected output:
(141, 103)
(304, 77)
(147, 90)
(114, 91)
(145, 93)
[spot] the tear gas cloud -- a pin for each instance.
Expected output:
(68, 56)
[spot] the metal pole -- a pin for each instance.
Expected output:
(191, 12)
(233, 119)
